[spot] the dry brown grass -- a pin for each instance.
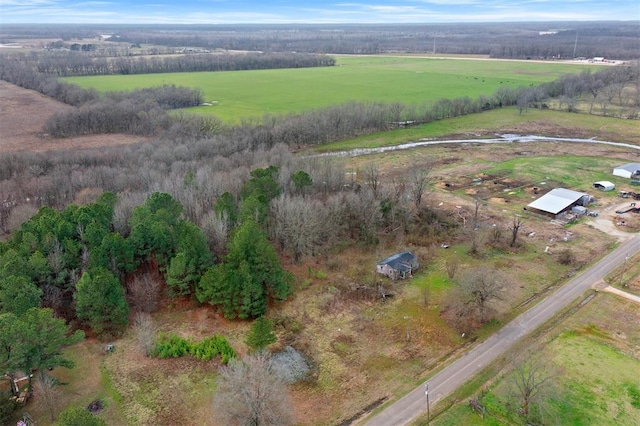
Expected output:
(23, 114)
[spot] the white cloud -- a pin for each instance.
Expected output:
(27, 3)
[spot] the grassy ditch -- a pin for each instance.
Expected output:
(593, 368)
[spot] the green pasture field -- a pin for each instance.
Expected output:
(603, 128)
(409, 80)
(595, 378)
(571, 171)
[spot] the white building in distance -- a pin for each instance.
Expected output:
(626, 170)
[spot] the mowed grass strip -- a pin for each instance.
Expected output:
(240, 94)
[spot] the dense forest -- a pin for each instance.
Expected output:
(522, 40)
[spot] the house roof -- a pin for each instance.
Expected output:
(400, 261)
(556, 200)
(630, 167)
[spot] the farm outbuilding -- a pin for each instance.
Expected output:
(399, 265)
(626, 170)
(558, 201)
(604, 185)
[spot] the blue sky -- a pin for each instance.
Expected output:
(311, 11)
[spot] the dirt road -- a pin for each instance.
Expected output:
(446, 381)
(621, 293)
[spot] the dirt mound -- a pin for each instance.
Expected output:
(95, 406)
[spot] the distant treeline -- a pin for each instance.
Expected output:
(522, 40)
(142, 112)
(64, 64)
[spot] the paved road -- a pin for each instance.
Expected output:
(446, 381)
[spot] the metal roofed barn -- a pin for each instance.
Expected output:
(626, 170)
(558, 201)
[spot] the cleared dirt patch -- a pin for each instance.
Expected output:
(24, 112)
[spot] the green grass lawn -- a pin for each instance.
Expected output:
(596, 384)
(595, 376)
(407, 80)
(496, 120)
(571, 171)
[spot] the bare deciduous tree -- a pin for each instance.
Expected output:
(363, 215)
(531, 378)
(451, 265)
(476, 209)
(251, 393)
(18, 215)
(477, 238)
(480, 286)
(399, 187)
(395, 111)
(568, 100)
(418, 181)
(372, 178)
(144, 293)
(145, 330)
(216, 227)
(495, 235)
(515, 228)
(524, 98)
(48, 394)
(299, 225)
(123, 209)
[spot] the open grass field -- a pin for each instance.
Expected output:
(595, 358)
(242, 94)
(503, 120)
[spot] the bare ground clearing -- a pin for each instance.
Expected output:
(23, 114)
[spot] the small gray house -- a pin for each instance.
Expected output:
(399, 265)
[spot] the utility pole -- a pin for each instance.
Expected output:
(406, 318)
(434, 45)
(575, 45)
(624, 269)
(426, 392)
